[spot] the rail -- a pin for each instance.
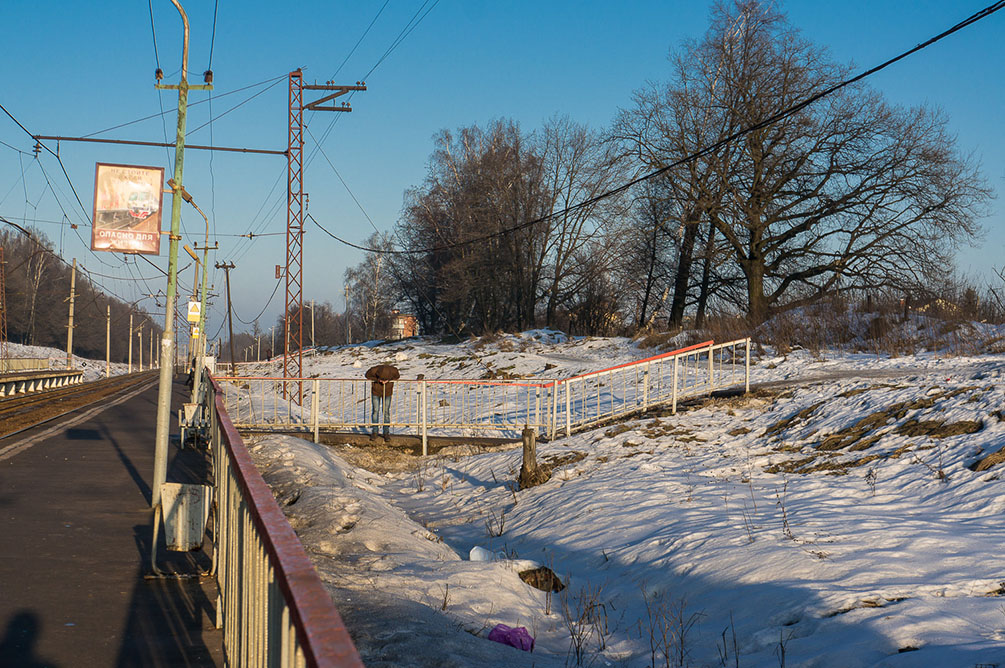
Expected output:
(272, 606)
(467, 407)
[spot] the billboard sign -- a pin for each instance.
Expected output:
(127, 208)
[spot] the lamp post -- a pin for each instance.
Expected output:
(168, 338)
(200, 346)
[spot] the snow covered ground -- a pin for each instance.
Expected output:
(93, 369)
(830, 519)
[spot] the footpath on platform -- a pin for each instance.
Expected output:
(75, 533)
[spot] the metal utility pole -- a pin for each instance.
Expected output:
(3, 315)
(293, 315)
(312, 323)
(139, 345)
(130, 337)
(230, 318)
(348, 323)
(168, 338)
(199, 345)
(69, 327)
(108, 340)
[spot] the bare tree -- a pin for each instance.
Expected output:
(845, 194)
(480, 182)
(372, 290)
(578, 166)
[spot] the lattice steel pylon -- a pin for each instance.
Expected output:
(293, 316)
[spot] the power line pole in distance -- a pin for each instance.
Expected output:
(227, 266)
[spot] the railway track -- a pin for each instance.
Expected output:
(23, 412)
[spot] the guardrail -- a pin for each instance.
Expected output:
(272, 606)
(466, 407)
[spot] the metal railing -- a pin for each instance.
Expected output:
(467, 407)
(272, 606)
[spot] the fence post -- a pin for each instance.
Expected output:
(568, 411)
(676, 358)
(645, 386)
(746, 371)
(537, 408)
(315, 407)
(711, 369)
(552, 427)
(425, 440)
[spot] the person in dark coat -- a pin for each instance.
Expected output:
(381, 389)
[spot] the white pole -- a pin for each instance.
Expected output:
(746, 372)
(130, 337)
(108, 340)
(674, 384)
(69, 327)
(425, 443)
(711, 369)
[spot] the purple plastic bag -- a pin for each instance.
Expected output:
(514, 637)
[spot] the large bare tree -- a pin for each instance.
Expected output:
(848, 193)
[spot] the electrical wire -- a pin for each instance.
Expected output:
(212, 40)
(13, 148)
(235, 107)
(771, 120)
(56, 155)
(153, 33)
(360, 40)
(190, 105)
(274, 291)
(346, 185)
(405, 32)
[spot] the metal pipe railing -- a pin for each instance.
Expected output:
(464, 407)
(272, 606)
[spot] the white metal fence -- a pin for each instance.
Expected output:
(469, 407)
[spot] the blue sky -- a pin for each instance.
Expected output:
(76, 68)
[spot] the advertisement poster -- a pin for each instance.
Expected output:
(127, 208)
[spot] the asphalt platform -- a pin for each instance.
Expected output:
(75, 533)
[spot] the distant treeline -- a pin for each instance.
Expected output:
(37, 307)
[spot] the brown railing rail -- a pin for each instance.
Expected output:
(272, 606)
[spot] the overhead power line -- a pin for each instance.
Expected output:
(781, 115)
(131, 142)
(192, 104)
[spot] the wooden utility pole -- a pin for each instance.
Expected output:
(227, 266)
(69, 327)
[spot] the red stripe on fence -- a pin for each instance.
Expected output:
(672, 353)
